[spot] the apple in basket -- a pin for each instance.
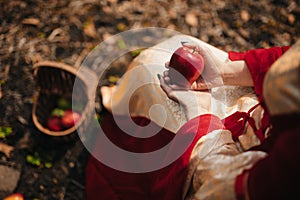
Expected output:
(54, 123)
(63, 116)
(70, 118)
(186, 65)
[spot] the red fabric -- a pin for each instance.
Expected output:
(237, 121)
(259, 62)
(277, 176)
(239, 186)
(103, 182)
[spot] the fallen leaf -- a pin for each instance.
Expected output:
(291, 18)
(113, 79)
(172, 13)
(0, 92)
(6, 149)
(22, 120)
(5, 131)
(89, 28)
(24, 142)
(55, 33)
(136, 52)
(31, 21)
(106, 36)
(245, 16)
(191, 19)
(34, 159)
(121, 27)
(107, 9)
(121, 44)
(244, 32)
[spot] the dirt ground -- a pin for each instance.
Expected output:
(65, 31)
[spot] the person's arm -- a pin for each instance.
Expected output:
(242, 69)
(236, 73)
(256, 62)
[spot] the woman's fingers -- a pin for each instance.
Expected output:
(199, 84)
(167, 64)
(168, 81)
(166, 77)
(166, 73)
(166, 88)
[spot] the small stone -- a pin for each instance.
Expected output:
(42, 187)
(55, 181)
(71, 165)
(9, 178)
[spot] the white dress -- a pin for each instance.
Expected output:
(216, 159)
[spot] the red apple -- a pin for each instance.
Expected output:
(186, 65)
(70, 118)
(54, 123)
(15, 196)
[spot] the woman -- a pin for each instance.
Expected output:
(275, 174)
(212, 165)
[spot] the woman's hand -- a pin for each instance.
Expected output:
(194, 103)
(217, 72)
(211, 76)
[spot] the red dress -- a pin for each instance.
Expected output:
(268, 179)
(103, 182)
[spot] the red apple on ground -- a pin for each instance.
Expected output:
(54, 123)
(16, 196)
(186, 65)
(70, 118)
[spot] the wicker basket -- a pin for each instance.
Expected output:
(56, 80)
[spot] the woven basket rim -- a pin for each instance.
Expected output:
(88, 77)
